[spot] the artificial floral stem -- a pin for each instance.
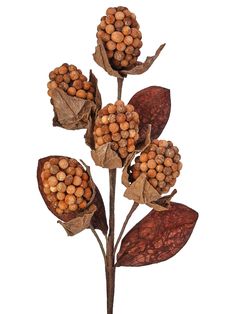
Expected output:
(120, 81)
(110, 267)
(132, 210)
(99, 242)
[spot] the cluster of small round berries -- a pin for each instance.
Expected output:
(119, 31)
(119, 124)
(72, 81)
(160, 161)
(66, 184)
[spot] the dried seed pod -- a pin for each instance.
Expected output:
(60, 191)
(122, 30)
(69, 80)
(158, 236)
(156, 165)
(118, 128)
(73, 108)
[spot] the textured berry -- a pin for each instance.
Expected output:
(160, 161)
(120, 34)
(113, 124)
(71, 80)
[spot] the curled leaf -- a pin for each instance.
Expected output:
(140, 68)
(81, 222)
(141, 191)
(153, 106)
(158, 236)
(100, 57)
(71, 112)
(104, 156)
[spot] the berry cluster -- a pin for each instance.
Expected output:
(72, 81)
(117, 124)
(119, 31)
(160, 161)
(66, 184)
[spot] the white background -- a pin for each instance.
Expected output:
(44, 271)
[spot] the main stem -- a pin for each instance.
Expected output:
(110, 254)
(110, 268)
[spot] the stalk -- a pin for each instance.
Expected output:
(110, 255)
(110, 267)
(132, 210)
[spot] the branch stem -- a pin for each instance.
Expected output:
(132, 210)
(99, 242)
(120, 81)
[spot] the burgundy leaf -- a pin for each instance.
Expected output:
(99, 220)
(158, 236)
(153, 105)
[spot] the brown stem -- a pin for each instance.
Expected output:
(99, 242)
(120, 84)
(110, 268)
(132, 210)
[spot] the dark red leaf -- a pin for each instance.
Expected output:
(153, 105)
(158, 236)
(99, 220)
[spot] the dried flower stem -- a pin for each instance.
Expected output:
(132, 210)
(99, 242)
(110, 254)
(120, 84)
(110, 267)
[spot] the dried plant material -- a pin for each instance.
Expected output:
(100, 56)
(71, 112)
(120, 33)
(89, 138)
(81, 222)
(153, 106)
(141, 191)
(125, 173)
(104, 156)
(158, 236)
(99, 220)
(139, 148)
(141, 68)
(97, 97)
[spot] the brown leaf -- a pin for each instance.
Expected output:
(104, 156)
(158, 236)
(81, 222)
(153, 106)
(100, 57)
(99, 219)
(73, 113)
(143, 67)
(89, 138)
(141, 191)
(139, 148)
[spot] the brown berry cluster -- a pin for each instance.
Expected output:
(119, 31)
(160, 161)
(72, 81)
(66, 184)
(117, 124)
